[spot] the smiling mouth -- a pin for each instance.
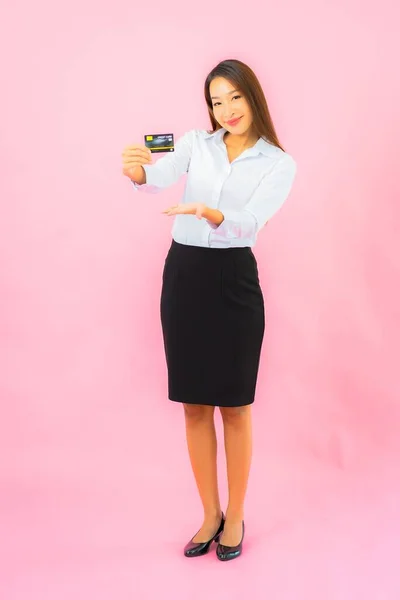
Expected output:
(233, 121)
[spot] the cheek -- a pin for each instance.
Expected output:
(245, 108)
(247, 113)
(217, 113)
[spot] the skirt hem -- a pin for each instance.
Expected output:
(210, 403)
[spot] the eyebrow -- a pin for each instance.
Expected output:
(217, 97)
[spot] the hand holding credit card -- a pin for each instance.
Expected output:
(136, 157)
(160, 142)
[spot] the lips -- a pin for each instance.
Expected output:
(233, 122)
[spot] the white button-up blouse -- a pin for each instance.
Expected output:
(248, 191)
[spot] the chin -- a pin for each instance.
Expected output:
(243, 128)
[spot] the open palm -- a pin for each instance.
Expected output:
(192, 208)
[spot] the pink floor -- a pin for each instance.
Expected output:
(90, 512)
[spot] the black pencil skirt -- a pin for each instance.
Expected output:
(212, 316)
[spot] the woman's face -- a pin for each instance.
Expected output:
(231, 109)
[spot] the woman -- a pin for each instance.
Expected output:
(212, 308)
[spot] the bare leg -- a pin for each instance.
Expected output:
(202, 445)
(238, 448)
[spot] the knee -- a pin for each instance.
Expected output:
(235, 416)
(197, 412)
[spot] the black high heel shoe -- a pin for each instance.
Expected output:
(193, 549)
(225, 553)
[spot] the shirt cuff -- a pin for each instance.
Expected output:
(236, 224)
(148, 187)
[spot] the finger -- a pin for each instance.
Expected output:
(171, 211)
(136, 147)
(136, 158)
(136, 151)
(135, 163)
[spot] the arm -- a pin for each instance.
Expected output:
(213, 216)
(267, 199)
(168, 169)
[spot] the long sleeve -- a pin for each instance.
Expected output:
(168, 169)
(267, 199)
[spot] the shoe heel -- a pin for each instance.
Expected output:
(216, 540)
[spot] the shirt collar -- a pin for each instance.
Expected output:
(260, 147)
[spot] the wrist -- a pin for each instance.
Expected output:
(138, 175)
(213, 215)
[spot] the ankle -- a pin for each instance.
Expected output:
(213, 514)
(234, 516)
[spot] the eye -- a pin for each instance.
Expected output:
(216, 103)
(234, 97)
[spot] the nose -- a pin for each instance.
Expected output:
(228, 114)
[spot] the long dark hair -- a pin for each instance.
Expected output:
(245, 80)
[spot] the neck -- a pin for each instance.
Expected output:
(242, 139)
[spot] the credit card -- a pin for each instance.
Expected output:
(160, 142)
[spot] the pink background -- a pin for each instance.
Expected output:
(96, 494)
